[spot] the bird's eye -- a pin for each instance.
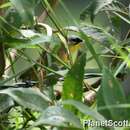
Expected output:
(78, 40)
(75, 40)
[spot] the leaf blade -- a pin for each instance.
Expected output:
(111, 93)
(58, 116)
(28, 98)
(72, 87)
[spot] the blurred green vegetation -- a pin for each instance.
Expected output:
(64, 62)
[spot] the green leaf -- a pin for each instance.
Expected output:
(5, 102)
(57, 116)
(94, 7)
(73, 83)
(19, 43)
(25, 9)
(88, 43)
(111, 93)
(28, 98)
(97, 34)
(85, 109)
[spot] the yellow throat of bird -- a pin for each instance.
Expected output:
(74, 44)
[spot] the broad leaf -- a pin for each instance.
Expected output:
(73, 83)
(28, 98)
(19, 43)
(57, 116)
(111, 93)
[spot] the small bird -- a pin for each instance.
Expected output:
(74, 45)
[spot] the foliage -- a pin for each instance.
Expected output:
(48, 83)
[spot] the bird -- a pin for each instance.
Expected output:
(74, 44)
